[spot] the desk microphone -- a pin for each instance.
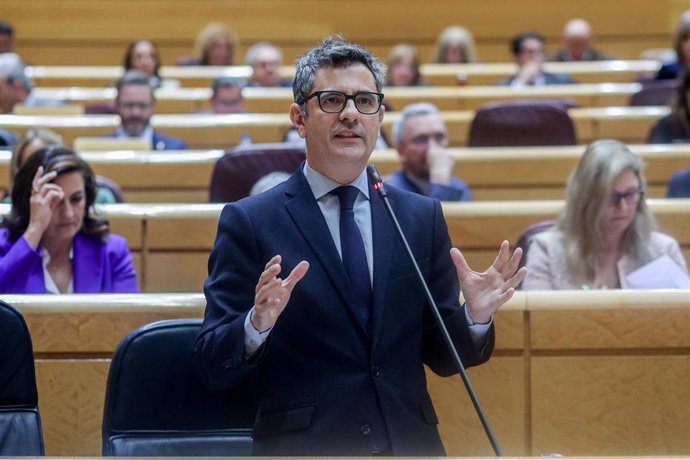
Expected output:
(377, 183)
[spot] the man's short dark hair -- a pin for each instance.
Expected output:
(6, 28)
(516, 43)
(332, 52)
(133, 77)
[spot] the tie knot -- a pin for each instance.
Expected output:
(347, 195)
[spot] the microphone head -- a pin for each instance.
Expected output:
(376, 180)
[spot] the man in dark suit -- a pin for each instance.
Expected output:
(421, 139)
(135, 104)
(528, 50)
(339, 353)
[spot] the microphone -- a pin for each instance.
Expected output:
(377, 183)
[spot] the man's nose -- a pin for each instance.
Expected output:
(350, 110)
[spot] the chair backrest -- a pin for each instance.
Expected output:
(522, 123)
(654, 92)
(112, 186)
(20, 422)
(236, 172)
(155, 404)
(679, 184)
(525, 239)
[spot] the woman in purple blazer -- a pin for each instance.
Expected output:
(51, 242)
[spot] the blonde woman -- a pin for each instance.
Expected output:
(455, 45)
(605, 230)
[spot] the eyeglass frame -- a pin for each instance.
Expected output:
(347, 97)
(627, 196)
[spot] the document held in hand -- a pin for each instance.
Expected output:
(661, 273)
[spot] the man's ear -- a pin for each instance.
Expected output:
(298, 119)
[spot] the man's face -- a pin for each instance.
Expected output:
(577, 45)
(144, 57)
(135, 106)
(8, 95)
(339, 144)
(6, 43)
(227, 99)
(422, 133)
(532, 50)
(266, 67)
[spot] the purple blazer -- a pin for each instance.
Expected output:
(99, 266)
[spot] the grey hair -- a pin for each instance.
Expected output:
(332, 52)
(588, 193)
(250, 57)
(12, 68)
(412, 110)
(226, 82)
(133, 77)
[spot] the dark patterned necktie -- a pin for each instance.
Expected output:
(353, 253)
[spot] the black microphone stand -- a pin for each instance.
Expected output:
(377, 183)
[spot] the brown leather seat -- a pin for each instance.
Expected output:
(237, 171)
(654, 92)
(525, 239)
(523, 122)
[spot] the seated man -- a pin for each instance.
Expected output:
(528, 50)
(6, 37)
(135, 105)
(577, 44)
(16, 87)
(265, 60)
(227, 95)
(421, 138)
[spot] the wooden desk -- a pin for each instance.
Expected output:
(628, 124)
(447, 98)
(575, 372)
(171, 242)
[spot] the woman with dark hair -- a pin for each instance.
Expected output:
(681, 47)
(143, 55)
(674, 128)
(51, 242)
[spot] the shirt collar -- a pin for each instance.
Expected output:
(147, 134)
(322, 185)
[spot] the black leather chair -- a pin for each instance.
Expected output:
(655, 92)
(522, 123)
(236, 172)
(20, 422)
(155, 405)
(112, 186)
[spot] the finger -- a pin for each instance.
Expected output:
(460, 263)
(502, 256)
(513, 263)
(274, 260)
(268, 275)
(296, 275)
(264, 292)
(38, 174)
(506, 296)
(515, 280)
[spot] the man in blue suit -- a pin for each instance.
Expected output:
(528, 50)
(135, 104)
(338, 353)
(421, 139)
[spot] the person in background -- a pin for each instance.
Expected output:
(135, 104)
(227, 95)
(34, 140)
(403, 67)
(421, 139)
(268, 181)
(310, 290)
(215, 45)
(143, 55)
(16, 87)
(681, 46)
(455, 45)
(528, 51)
(674, 128)
(605, 230)
(51, 242)
(6, 37)
(577, 44)
(265, 60)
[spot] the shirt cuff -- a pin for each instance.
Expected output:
(478, 331)
(253, 339)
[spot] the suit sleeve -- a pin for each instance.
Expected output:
(445, 289)
(17, 262)
(234, 268)
(124, 276)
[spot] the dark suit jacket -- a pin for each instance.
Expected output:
(320, 373)
(164, 142)
(549, 79)
(668, 131)
(457, 190)
(679, 185)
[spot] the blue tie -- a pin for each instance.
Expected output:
(353, 253)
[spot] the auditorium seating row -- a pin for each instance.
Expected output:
(496, 173)
(278, 100)
(578, 373)
(628, 124)
(171, 242)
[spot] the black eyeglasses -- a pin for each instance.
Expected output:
(366, 102)
(630, 197)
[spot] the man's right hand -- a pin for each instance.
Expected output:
(441, 162)
(273, 293)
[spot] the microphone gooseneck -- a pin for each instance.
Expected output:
(377, 183)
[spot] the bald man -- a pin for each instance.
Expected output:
(577, 44)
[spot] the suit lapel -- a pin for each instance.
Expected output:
(88, 265)
(307, 216)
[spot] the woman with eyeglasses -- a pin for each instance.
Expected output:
(605, 231)
(51, 242)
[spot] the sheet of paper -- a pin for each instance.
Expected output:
(661, 273)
